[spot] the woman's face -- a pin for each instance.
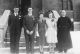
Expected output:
(63, 13)
(50, 15)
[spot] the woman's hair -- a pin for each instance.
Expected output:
(50, 11)
(11, 12)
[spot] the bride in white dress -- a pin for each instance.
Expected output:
(51, 32)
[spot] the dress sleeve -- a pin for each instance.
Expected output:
(58, 23)
(55, 24)
(36, 31)
(46, 26)
(70, 24)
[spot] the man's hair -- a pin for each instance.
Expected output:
(62, 11)
(30, 7)
(41, 12)
(16, 8)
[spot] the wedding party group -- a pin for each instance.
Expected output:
(56, 31)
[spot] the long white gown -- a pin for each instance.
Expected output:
(51, 32)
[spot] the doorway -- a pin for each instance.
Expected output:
(35, 4)
(24, 6)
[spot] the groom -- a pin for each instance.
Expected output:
(29, 30)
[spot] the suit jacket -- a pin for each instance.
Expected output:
(29, 22)
(14, 23)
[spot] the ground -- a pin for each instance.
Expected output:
(7, 51)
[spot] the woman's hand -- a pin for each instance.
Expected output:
(31, 32)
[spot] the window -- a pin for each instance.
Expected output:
(67, 4)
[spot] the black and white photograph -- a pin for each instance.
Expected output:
(39, 26)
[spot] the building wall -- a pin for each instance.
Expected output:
(37, 6)
(7, 4)
(50, 5)
(76, 7)
(43, 4)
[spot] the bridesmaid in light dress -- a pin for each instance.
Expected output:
(51, 32)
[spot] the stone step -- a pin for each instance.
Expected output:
(23, 44)
(22, 39)
(36, 51)
(8, 35)
(23, 49)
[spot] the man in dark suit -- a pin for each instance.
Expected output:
(15, 26)
(29, 30)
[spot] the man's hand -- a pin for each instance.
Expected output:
(72, 19)
(28, 31)
(31, 32)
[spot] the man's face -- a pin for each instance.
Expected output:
(63, 13)
(30, 10)
(16, 10)
(41, 16)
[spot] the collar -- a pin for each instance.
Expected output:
(15, 14)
